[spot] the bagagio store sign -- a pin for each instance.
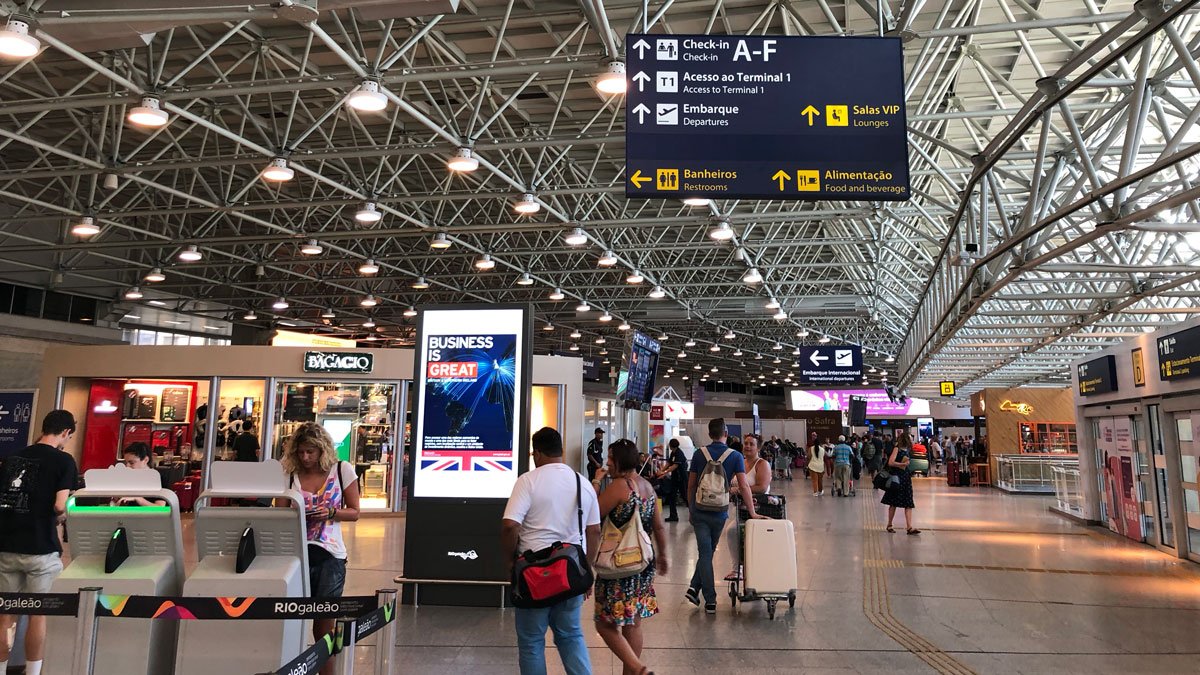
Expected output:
(338, 362)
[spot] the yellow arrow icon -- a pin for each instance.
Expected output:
(810, 111)
(637, 179)
(781, 176)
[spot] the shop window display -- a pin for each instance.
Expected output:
(1048, 438)
(361, 420)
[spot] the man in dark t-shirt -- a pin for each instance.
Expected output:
(34, 486)
(595, 454)
(245, 446)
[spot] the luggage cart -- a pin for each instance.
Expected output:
(774, 507)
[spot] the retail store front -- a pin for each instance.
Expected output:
(1030, 437)
(190, 403)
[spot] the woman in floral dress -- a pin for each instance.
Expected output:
(621, 604)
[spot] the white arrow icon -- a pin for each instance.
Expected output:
(641, 78)
(817, 359)
(641, 46)
(3, 412)
(641, 111)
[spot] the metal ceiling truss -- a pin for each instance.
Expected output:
(1058, 140)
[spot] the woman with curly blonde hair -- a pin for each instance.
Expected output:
(330, 491)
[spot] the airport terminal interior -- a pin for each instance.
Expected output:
(415, 232)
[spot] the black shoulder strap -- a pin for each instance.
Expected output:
(579, 505)
(341, 482)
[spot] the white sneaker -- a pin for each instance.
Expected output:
(816, 494)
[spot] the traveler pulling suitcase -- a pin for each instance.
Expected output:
(952, 473)
(769, 561)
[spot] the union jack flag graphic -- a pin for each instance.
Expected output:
(451, 464)
(484, 464)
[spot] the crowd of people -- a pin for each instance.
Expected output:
(626, 490)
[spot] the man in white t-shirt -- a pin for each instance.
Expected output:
(540, 512)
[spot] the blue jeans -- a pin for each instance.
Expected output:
(708, 526)
(563, 619)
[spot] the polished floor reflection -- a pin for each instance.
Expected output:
(994, 584)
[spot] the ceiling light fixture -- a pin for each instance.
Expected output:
(524, 279)
(367, 97)
(190, 253)
(772, 304)
(796, 351)
(134, 293)
(250, 315)
(420, 284)
(439, 241)
(527, 205)
(729, 334)
(369, 267)
(753, 276)
(574, 347)
(803, 333)
(624, 326)
(777, 346)
(368, 213)
(410, 312)
(548, 327)
(148, 114)
(697, 201)
(600, 340)
(608, 259)
(606, 317)
(369, 301)
(682, 355)
(311, 247)
(583, 307)
(575, 334)
(484, 262)
(781, 315)
(463, 161)
(557, 294)
(758, 357)
(715, 348)
(280, 304)
(86, 227)
(722, 232)
(635, 277)
(278, 171)
(16, 42)
(738, 352)
(328, 314)
(612, 80)
(154, 276)
(657, 293)
(690, 343)
(575, 237)
(890, 359)
(823, 339)
(664, 337)
(369, 323)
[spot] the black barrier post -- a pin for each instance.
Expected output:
(346, 632)
(85, 638)
(385, 644)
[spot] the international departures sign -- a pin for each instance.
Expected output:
(765, 117)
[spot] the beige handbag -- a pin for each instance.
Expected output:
(626, 550)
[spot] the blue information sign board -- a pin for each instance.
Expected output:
(16, 416)
(765, 118)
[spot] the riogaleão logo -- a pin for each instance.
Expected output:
(233, 608)
(465, 555)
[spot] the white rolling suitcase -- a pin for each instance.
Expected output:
(770, 562)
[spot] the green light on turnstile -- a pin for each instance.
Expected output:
(71, 507)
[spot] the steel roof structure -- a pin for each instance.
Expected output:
(1053, 151)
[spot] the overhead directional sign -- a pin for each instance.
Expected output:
(1098, 376)
(1179, 355)
(765, 117)
(830, 365)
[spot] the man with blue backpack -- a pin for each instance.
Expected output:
(712, 470)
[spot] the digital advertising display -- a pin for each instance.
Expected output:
(471, 389)
(642, 366)
(878, 404)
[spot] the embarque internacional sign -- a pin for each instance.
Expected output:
(765, 117)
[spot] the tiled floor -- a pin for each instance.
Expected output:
(995, 584)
